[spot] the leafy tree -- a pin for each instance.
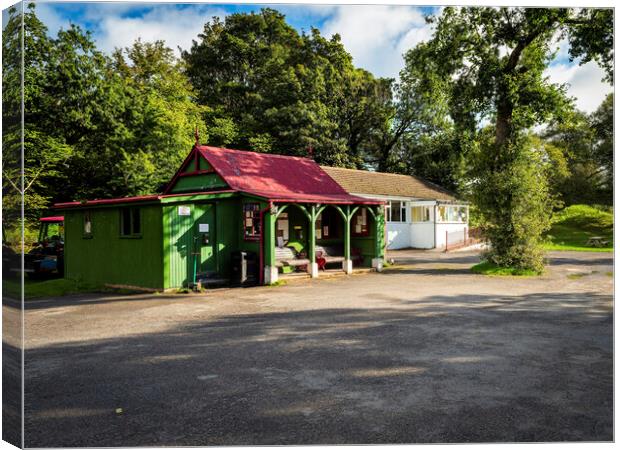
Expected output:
(603, 123)
(586, 142)
(282, 92)
(160, 120)
(44, 154)
(489, 62)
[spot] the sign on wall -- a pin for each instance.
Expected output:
(185, 211)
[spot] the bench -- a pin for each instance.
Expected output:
(286, 256)
(328, 255)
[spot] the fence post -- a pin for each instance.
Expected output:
(446, 241)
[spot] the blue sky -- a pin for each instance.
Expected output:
(376, 35)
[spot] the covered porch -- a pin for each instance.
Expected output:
(322, 237)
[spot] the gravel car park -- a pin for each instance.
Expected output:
(423, 352)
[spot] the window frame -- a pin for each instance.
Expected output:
(402, 208)
(426, 212)
(451, 214)
(255, 216)
(132, 215)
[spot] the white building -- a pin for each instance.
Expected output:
(419, 214)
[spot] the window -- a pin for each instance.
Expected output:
(457, 214)
(131, 225)
(327, 224)
(397, 212)
(251, 220)
(88, 225)
(359, 223)
(421, 214)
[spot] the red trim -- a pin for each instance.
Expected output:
(114, 201)
(321, 200)
(52, 219)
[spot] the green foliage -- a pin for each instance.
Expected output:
(162, 118)
(514, 203)
(101, 126)
(274, 90)
(585, 142)
(488, 64)
(590, 38)
(491, 269)
(47, 288)
(574, 225)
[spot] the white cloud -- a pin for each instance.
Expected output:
(52, 20)
(177, 27)
(583, 82)
(377, 36)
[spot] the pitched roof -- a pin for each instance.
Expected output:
(277, 177)
(387, 184)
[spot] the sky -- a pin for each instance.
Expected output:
(375, 35)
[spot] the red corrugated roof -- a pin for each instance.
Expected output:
(52, 219)
(277, 177)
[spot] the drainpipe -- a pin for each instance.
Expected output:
(435, 225)
(261, 250)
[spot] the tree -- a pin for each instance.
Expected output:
(44, 153)
(160, 121)
(490, 64)
(282, 92)
(94, 126)
(586, 142)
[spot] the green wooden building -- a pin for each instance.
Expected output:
(220, 202)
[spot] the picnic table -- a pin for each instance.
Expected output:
(597, 241)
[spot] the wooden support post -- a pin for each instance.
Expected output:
(377, 261)
(313, 267)
(271, 271)
(347, 233)
(347, 264)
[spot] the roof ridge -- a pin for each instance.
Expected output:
(276, 155)
(370, 171)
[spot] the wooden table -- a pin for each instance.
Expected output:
(597, 241)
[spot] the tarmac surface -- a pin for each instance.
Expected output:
(423, 352)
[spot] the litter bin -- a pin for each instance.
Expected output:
(244, 268)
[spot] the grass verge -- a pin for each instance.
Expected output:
(488, 268)
(48, 288)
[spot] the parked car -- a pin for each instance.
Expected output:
(48, 256)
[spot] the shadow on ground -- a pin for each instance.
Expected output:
(440, 369)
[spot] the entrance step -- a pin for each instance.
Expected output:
(211, 280)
